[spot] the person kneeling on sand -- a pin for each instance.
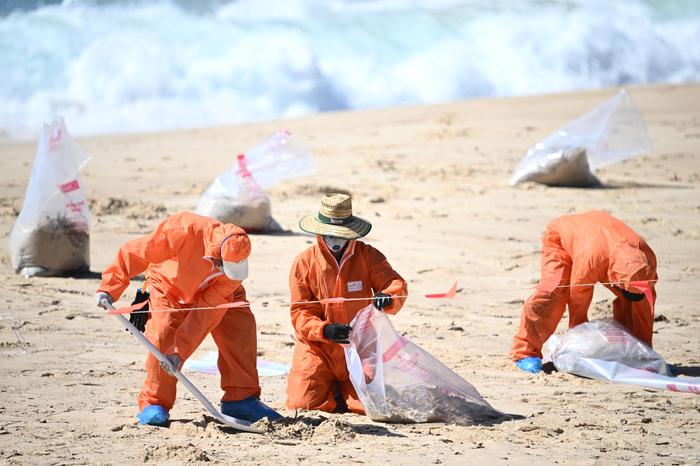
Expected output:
(192, 261)
(336, 266)
(585, 249)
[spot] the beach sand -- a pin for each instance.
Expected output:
(433, 181)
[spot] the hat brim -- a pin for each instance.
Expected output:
(355, 228)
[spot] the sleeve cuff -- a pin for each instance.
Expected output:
(317, 332)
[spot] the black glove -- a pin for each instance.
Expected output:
(632, 296)
(337, 333)
(139, 318)
(382, 300)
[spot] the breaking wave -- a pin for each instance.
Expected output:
(117, 66)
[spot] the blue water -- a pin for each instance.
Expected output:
(115, 66)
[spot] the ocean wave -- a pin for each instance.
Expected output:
(116, 66)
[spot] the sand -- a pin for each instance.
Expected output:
(433, 180)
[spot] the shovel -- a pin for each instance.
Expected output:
(238, 424)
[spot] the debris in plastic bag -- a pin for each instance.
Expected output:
(397, 381)
(564, 167)
(237, 196)
(612, 132)
(248, 209)
(51, 234)
(55, 245)
(605, 350)
(606, 340)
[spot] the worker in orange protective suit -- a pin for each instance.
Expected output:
(584, 249)
(192, 261)
(336, 266)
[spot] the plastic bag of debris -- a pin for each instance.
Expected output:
(397, 381)
(605, 350)
(612, 132)
(237, 196)
(606, 340)
(51, 235)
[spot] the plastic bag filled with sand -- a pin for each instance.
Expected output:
(51, 235)
(398, 381)
(611, 132)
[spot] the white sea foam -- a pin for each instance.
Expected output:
(144, 65)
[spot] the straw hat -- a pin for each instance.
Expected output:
(335, 218)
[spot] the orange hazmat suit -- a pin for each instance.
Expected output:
(177, 261)
(587, 248)
(318, 368)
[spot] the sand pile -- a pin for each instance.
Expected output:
(307, 428)
(178, 453)
(130, 209)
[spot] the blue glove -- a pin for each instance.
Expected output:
(530, 364)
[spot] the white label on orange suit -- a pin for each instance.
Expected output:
(354, 286)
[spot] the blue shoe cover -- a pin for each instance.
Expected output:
(154, 415)
(250, 409)
(530, 364)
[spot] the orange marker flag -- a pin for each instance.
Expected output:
(448, 295)
(128, 309)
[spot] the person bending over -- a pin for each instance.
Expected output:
(191, 261)
(586, 248)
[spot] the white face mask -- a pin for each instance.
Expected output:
(237, 271)
(335, 244)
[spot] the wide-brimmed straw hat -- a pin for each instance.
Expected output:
(335, 218)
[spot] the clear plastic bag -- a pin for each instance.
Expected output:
(605, 350)
(397, 381)
(612, 132)
(606, 340)
(237, 195)
(236, 198)
(51, 234)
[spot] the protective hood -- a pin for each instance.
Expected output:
(227, 242)
(628, 264)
